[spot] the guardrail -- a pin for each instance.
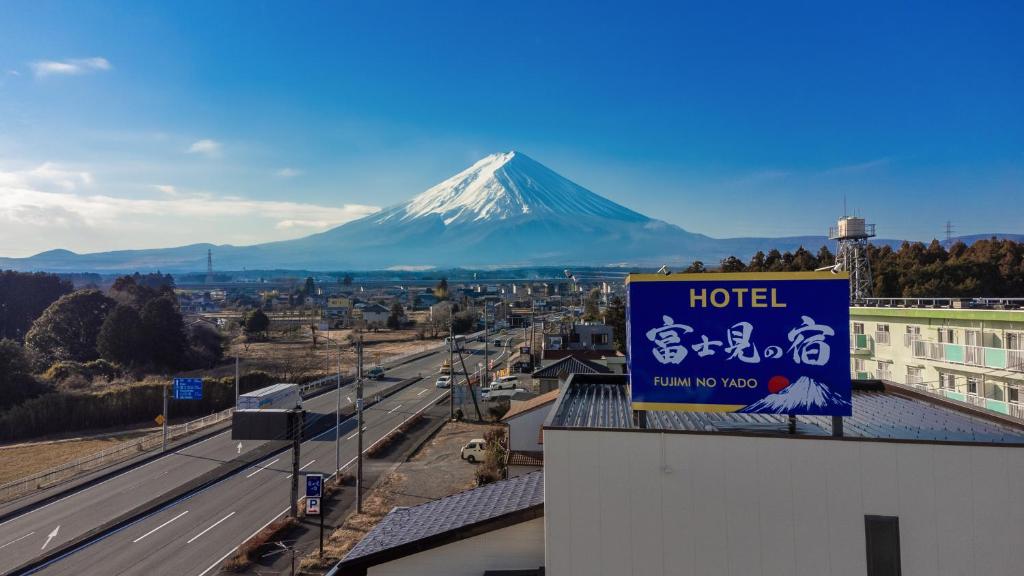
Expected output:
(106, 457)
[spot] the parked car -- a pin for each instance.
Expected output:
(504, 383)
(474, 451)
(496, 395)
(375, 373)
(444, 381)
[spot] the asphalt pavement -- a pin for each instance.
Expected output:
(195, 534)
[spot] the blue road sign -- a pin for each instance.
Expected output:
(773, 343)
(314, 485)
(188, 388)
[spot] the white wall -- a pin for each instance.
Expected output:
(621, 503)
(518, 547)
(524, 429)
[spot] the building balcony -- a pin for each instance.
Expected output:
(860, 344)
(964, 355)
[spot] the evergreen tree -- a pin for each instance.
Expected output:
(395, 318)
(257, 323)
(121, 338)
(615, 316)
(732, 264)
(164, 332)
(68, 328)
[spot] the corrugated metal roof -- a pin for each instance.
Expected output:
(459, 511)
(570, 365)
(604, 403)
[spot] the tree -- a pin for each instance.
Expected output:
(165, 333)
(137, 290)
(16, 381)
(257, 323)
(121, 338)
(346, 280)
(309, 288)
(592, 305)
(441, 290)
(68, 328)
(206, 346)
(615, 316)
(396, 316)
(24, 297)
(732, 264)
(757, 263)
(696, 267)
(825, 257)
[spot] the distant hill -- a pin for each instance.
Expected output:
(505, 210)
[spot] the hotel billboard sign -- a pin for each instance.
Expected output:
(775, 343)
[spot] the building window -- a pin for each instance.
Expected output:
(914, 375)
(882, 542)
(858, 327)
(858, 364)
(882, 333)
(972, 385)
(1013, 394)
(995, 392)
(947, 336)
(884, 371)
(599, 338)
(947, 381)
(912, 333)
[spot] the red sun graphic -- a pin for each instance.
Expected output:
(777, 384)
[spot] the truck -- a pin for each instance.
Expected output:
(283, 396)
(458, 341)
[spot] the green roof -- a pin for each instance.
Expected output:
(940, 313)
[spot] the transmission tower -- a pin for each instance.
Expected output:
(852, 234)
(209, 266)
(949, 233)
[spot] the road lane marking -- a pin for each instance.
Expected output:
(262, 468)
(212, 526)
(344, 466)
(422, 392)
(349, 398)
(356, 433)
(395, 408)
(160, 526)
(17, 540)
(51, 536)
(304, 467)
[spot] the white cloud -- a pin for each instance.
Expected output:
(50, 207)
(288, 172)
(206, 147)
(71, 67)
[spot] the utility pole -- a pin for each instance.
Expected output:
(359, 425)
(337, 419)
(295, 431)
(236, 378)
(487, 367)
(451, 368)
(164, 446)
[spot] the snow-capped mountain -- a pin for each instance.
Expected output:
(505, 210)
(805, 396)
(506, 186)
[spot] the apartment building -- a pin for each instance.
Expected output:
(969, 351)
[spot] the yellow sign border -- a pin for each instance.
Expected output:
(746, 276)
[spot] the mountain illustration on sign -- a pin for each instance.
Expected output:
(803, 396)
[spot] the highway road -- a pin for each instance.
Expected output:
(193, 535)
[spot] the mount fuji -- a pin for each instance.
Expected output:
(805, 396)
(505, 210)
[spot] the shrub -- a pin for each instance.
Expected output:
(247, 551)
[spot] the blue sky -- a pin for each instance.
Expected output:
(151, 124)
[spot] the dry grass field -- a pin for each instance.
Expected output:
(21, 460)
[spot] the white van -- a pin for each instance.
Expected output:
(504, 383)
(495, 395)
(475, 450)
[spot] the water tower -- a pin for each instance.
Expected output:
(852, 233)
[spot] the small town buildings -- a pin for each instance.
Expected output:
(523, 422)
(375, 315)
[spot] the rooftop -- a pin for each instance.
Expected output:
(415, 529)
(532, 403)
(602, 401)
(570, 365)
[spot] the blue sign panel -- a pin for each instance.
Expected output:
(188, 388)
(775, 343)
(314, 485)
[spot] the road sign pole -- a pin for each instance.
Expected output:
(337, 421)
(321, 533)
(236, 379)
(359, 425)
(164, 446)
